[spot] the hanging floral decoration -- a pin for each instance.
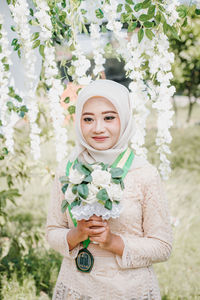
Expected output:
(141, 30)
(51, 78)
(20, 12)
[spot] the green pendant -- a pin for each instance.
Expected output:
(84, 260)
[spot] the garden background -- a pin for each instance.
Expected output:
(28, 267)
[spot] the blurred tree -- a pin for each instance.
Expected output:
(186, 69)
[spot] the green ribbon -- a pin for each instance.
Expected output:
(125, 168)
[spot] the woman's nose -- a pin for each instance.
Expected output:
(99, 126)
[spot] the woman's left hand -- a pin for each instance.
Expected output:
(104, 239)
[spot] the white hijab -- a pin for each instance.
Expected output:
(118, 95)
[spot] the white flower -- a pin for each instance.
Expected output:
(69, 196)
(101, 177)
(115, 192)
(93, 190)
(75, 176)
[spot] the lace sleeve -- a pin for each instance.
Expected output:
(57, 223)
(156, 243)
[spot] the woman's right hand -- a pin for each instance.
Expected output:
(85, 228)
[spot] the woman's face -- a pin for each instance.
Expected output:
(100, 123)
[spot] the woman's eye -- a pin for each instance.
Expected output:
(108, 118)
(88, 120)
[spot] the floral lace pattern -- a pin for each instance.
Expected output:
(144, 226)
(88, 209)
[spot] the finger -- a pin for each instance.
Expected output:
(93, 232)
(96, 223)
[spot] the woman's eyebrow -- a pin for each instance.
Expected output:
(104, 112)
(87, 113)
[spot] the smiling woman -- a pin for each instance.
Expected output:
(107, 255)
(100, 123)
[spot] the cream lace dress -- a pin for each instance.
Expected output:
(145, 229)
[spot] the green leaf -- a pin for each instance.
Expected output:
(148, 24)
(64, 187)
(151, 10)
(158, 18)
(14, 42)
(119, 8)
(36, 44)
(6, 67)
(71, 109)
(88, 178)
(149, 34)
(132, 26)
(185, 23)
(140, 35)
(197, 11)
(122, 184)
(116, 180)
(41, 50)
(31, 12)
(82, 168)
(64, 179)
(146, 4)
(108, 204)
(79, 89)
(82, 190)
(16, 47)
(161, 8)
(74, 189)
(67, 99)
(99, 13)
(165, 27)
(144, 17)
(116, 172)
(130, 2)
(18, 98)
(138, 7)
(76, 202)
(34, 36)
(64, 206)
(10, 105)
(182, 11)
(103, 29)
(128, 8)
(102, 195)
(12, 28)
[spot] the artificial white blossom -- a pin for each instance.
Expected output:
(7, 118)
(93, 190)
(75, 176)
(20, 12)
(98, 51)
(69, 195)
(101, 178)
(115, 192)
(51, 77)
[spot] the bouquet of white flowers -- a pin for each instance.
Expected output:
(94, 189)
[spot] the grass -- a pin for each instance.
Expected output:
(178, 277)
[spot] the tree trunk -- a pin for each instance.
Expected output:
(191, 103)
(175, 110)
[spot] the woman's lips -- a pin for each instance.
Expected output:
(100, 138)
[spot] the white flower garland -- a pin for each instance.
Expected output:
(8, 118)
(139, 92)
(98, 50)
(131, 53)
(162, 94)
(20, 12)
(51, 74)
(79, 63)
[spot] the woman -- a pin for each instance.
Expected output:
(126, 247)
